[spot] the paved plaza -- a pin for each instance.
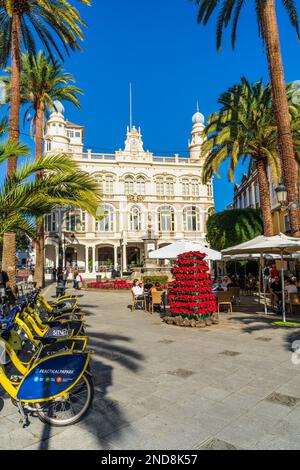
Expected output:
(230, 386)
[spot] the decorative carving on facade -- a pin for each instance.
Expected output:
(135, 198)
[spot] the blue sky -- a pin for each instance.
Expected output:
(172, 63)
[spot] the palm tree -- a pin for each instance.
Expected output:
(21, 21)
(229, 10)
(22, 198)
(245, 127)
(42, 82)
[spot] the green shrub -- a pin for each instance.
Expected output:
(153, 279)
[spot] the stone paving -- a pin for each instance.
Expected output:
(230, 386)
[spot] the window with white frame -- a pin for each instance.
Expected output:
(50, 222)
(190, 186)
(166, 219)
(160, 186)
(107, 222)
(165, 186)
(209, 189)
(135, 219)
(129, 185)
(191, 219)
(105, 182)
(185, 186)
(140, 185)
(169, 184)
(195, 184)
(75, 221)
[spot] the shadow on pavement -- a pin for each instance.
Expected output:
(106, 416)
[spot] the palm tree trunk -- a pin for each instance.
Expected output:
(39, 275)
(9, 239)
(281, 110)
(264, 197)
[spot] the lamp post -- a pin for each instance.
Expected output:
(282, 199)
(281, 195)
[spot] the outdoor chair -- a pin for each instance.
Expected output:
(136, 300)
(225, 298)
(294, 299)
(156, 300)
(235, 293)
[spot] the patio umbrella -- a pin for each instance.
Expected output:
(279, 244)
(184, 246)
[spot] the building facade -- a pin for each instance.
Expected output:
(246, 195)
(142, 193)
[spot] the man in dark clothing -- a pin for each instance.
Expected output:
(276, 291)
(3, 281)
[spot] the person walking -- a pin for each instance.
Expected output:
(65, 276)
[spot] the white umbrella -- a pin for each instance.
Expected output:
(184, 246)
(279, 244)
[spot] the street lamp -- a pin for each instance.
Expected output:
(281, 194)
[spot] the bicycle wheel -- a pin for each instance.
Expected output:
(66, 412)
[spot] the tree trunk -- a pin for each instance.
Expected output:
(281, 110)
(264, 197)
(39, 275)
(9, 239)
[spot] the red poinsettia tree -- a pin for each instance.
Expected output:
(191, 295)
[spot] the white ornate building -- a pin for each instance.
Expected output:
(139, 190)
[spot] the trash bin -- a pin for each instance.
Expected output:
(98, 278)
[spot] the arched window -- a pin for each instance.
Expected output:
(195, 184)
(166, 219)
(185, 187)
(107, 223)
(75, 221)
(135, 219)
(105, 182)
(191, 218)
(209, 189)
(108, 184)
(169, 187)
(140, 185)
(190, 186)
(160, 187)
(129, 185)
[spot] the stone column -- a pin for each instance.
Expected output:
(124, 256)
(56, 256)
(94, 259)
(116, 257)
(87, 260)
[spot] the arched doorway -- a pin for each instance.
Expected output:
(105, 257)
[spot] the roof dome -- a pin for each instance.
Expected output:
(198, 118)
(57, 107)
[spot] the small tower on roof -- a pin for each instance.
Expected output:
(195, 145)
(62, 135)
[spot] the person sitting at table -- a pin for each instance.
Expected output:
(219, 287)
(276, 292)
(148, 284)
(227, 282)
(156, 288)
(138, 290)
